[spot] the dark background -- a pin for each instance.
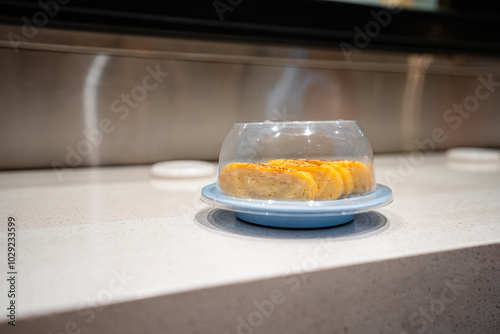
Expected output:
(467, 26)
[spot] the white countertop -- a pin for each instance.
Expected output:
(114, 234)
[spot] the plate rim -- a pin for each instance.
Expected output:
(381, 196)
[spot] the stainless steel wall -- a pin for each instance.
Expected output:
(75, 98)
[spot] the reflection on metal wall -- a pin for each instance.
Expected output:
(73, 99)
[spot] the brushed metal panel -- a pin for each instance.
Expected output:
(57, 91)
(52, 104)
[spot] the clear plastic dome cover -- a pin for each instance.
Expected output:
(286, 144)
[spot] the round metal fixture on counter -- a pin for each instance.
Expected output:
(183, 169)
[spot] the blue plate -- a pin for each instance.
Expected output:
(297, 214)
